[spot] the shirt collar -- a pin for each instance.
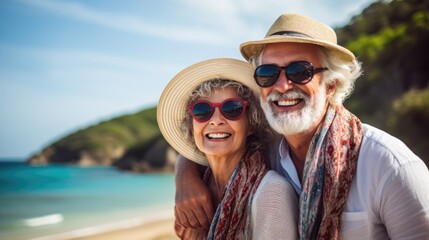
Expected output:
(287, 163)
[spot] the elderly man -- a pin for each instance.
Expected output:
(353, 181)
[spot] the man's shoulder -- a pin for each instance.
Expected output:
(380, 145)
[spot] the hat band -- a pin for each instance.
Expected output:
(291, 33)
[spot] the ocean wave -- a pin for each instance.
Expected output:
(44, 220)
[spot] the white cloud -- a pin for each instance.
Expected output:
(243, 20)
(128, 23)
(216, 23)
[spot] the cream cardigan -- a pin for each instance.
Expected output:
(274, 210)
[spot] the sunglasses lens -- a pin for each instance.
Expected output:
(266, 75)
(202, 111)
(232, 109)
(299, 72)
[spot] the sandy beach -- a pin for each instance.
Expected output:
(157, 230)
(157, 226)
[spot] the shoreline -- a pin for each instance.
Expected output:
(156, 226)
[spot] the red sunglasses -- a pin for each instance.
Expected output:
(231, 109)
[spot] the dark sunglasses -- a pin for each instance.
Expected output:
(231, 108)
(300, 72)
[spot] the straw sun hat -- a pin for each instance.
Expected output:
(172, 103)
(298, 29)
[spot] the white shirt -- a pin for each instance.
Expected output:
(389, 195)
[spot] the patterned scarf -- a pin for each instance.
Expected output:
(231, 219)
(328, 172)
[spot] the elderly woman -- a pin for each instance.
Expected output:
(210, 114)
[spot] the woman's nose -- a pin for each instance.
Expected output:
(217, 117)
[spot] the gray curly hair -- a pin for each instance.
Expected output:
(262, 132)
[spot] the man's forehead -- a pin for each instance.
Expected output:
(290, 46)
(292, 51)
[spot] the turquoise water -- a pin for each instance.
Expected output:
(47, 200)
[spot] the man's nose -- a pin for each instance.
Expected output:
(283, 84)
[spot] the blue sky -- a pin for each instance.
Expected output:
(65, 65)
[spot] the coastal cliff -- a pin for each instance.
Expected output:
(130, 142)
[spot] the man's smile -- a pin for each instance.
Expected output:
(287, 103)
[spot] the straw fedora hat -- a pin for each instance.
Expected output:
(297, 28)
(172, 104)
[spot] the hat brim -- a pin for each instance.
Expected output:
(172, 103)
(252, 48)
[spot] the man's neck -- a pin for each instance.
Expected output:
(300, 143)
(298, 148)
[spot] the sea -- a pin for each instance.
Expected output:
(63, 201)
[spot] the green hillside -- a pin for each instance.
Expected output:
(391, 39)
(124, 141)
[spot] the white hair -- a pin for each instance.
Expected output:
(343, 74)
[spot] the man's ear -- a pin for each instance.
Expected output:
(330, 89)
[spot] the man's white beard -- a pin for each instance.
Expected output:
(298, 121)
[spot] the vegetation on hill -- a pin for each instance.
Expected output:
(123, 141)
(391, 39)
